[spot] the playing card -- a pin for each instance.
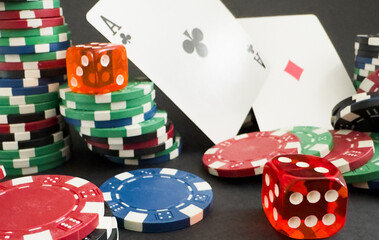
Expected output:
(307, 77)
(195, 51)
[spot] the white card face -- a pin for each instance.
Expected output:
(307, 78)
(198, 56)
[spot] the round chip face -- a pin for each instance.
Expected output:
(31, 23)
(71, 207)
(33, 57)
(45, 4)
(148, 126)
(314, 141)
(245, 155)
(47, 31)
(134, 89)
(157, 199)
(30, 14)
(352, 149)
(369, 171)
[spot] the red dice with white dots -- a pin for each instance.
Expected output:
(97, 68)
(304, 197)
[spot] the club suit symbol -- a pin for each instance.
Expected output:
(125, 38)
(194, 42)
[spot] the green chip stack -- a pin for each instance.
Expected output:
(33, 43)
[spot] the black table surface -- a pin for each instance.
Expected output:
(237, 210)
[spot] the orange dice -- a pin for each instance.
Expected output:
(97, 68)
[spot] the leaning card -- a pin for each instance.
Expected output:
(195, 51)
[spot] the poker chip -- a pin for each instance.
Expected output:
(28, 99)
(35, 40)
(314, 141)
(134, 89)
(29, 126)
(373, 61)
(39, 73)
(29, 14)
(370, 84)
(30, 82)
(33, 57)
(3, 173)
(161, 157)
(360, 116)
(246, 154)
(22, 163)
(366, 66)
(352, 149)
(368, 39)
(33, 65)
(40, 133)
(113, 123)
(39, 142)
(34, 152)
(38, 48)
(31, 23)
(72, 207)
(28, 117)
(29, 108)
(106, 226)
(45, 4)
(356, 84)
(129, 140)
(150, 143)
(129, 153)
(373, 185)
(106, 115)
(362, 72)
(365, 47)
(367, 54)
(369, 171)
(47, 31)
(52, 87)
(151, 125)
(157, 200)
(110, 106)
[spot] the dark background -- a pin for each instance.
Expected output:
(237, 211)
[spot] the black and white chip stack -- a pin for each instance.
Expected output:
(33, 43)
(125, 126)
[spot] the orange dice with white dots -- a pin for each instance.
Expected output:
(304, 197)
(97, 68)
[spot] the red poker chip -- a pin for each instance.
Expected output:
(31, 23)
(28, 14)
(49, 207)
(370, 84)
(148, 144)
(30, 126)
(352, 150)
(245, 155)
(3, 174)
(33, 65)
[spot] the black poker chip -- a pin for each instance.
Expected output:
(38, 73)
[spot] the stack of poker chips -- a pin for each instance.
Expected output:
(33, 43)
(124, 125)
(366, 48)
(74, 208)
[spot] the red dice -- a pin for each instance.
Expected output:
(304, 197)
(97, 68)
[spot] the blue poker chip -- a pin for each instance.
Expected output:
(52, 87)
(365, 60)
(30, 82)
(39, 48)
(367, 185)
(157, 199)
(113, 123)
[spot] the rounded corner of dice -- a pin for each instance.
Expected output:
(97, 68)
(304, 197)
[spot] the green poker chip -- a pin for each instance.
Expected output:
(29, 108)
(314, 141)
(110, 106)
(33, 57)
(28, 99)
(34, 152)
(24, 41)
(369, 171)
(45, 4)
(362, 72)
(36, 161)
(356, 84)
(134, 89)
(159, 120)
(34, 32)
(106, 115)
